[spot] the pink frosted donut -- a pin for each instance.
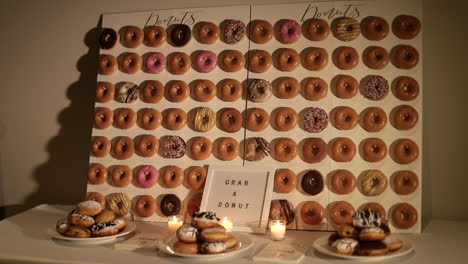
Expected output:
(289, 31)
(206, 61)
(147, 176)
(155, 62)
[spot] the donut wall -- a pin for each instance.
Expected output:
(338, 114)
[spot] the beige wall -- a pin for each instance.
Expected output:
(47, 70)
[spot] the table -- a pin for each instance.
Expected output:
(24, 239)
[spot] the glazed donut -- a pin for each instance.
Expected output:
(204, 119)
(342, 149)
(312, 182)
(405, 117)
(285, 181)
(196, 177)
(405, 151)
(88, 207)
(172, 176)
(179, 63)
(80, 220)
(406, 27)
(122, 175)
(145, 206)
(373, 149)
(285, 118)
(317, 29)
(405, 182)
(193, 205)
(315, 59)
(127, 92)
(261, 31)
(404, 216)
(203, 90)
(257, 119)
(406, 88)
(97, 173)
(147, 145)
(130, 63)
(230, 90)
(173, 147)
(259, 61)
(346, 87)
(174, 118)
(125, 118)
(177, 91)
(289, 31)
(152, 91)
(287, 59)
(170, 205)
(282, 210)
(373, 119)
(105, 92)
(314, 89)
(186, 248)
(346, 28)
(287, 87)
(312, 213)
(132, 36)
(345, 58)
(376, 207)
(108, 38)
(98, 197)
(103, 117)
(227, 148)
(205, 61)
(315, 120)
(155, 62)
(200, 148)
(150, 118)
(376, 87)
(314, 150)
(230, 120)
(100, 146)
(345, 118)
(233, 31)
(214, 234)
(285, 149)
(107, 64)
(343, 182)
(259, 90)
(256, 149)
(373, 183)
(231, 60)
(181, 34)
(374, 28)
(341, 213)
(404, 57)
(376, 57)
(204, 220)
(147, 176)
(123, 148)
(187, 233)
(208, 33)
(155, 36)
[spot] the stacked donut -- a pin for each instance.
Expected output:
(90, 219)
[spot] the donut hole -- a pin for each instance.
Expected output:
(348, 28)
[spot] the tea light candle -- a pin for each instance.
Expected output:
(227, 223)
(277, 229)
(173, 223)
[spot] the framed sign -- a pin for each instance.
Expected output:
(240, 193)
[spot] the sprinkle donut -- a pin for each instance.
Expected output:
(317, 29)
(174, 118)
(259, 90)
(343, 182)
(404, 117)
(172, 176)
(287, 59)
(373, 183)
(204, 119)
(227, 148)
(405, 151)
(345, 118)
(103, 117)
(208, 33)
(147, 176)
(285, 119)
(376, 57)
(256, 149)
(314, 89)
(285, 181)
(127, 92)
(287, 88)
(177, 91)
(132, 36)
(145, 206)
(179, 63)
(105, 92)
(203, 90)
(196, 177)
(155, 36)
(405, 57)
(230, 90)
(376, 88)
(315, 120)
(404, 216)
(155, 62)
(373, 119)
(373, 149)
(257, 119)
(125, 118)
(341, 213)
(346, 28)
(122, 175)
(374, 28)
(315, 59)
(314, 150)
(130, 63)
(406, 88)
(312, 213)
(289, 31)
(405, 182)
(205, 61)
(173, 147)
(150, 118)
(345, 58)
(100, 146)
(343, 149)
(231, 60)
(406, 27)
(285, 149)
(230, 120)
(233, 31)
(107, 64)
(147, 145)
(97, 173)
(346, 87)
(261, 31)
(180, 35)
(200, 148)
(259, 61)
(151, 91)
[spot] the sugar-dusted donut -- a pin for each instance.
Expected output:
(285, 181)
(172, 176)
(147, 176)
(170, 205)
(100, 146)
(259, 61)
(127, 92)
(314, 150)
(376, 207)
(373, 183)
(406, 26)
(315, 59)
(376, 57)
(404, 57)
(376, 87)
(98, 197)
(285, 118)
(405, 151)
(314, 89)
(287, 59)
(107, 64)
(227, 148)
(179, 63)
(289, 31)
(287, 87)
(213, 247)
(150, 118)
(282, 209)
(204, 119)
(374, 28)
(173, 147)
(180, 35)
(200, 148)
(108, 38)
(145, 206)
(345, 246)
(119, 203)
(155, 36)
(345, 118)
(230, 120)
(373, 119)
(123, 148)
(405, 182)
(404, 117)
(312, 213)
(257, 119)
(132, 36)
(315, 120)
(155, 62)
(130, 63)
(147, 145)
(205, 61)
(261, 31)
(285, 149)
(231, 60)
(105, 92)
(342, 149)
(208, 33)
(203, 90)
(177, 91)
(345, 58)
(343, 182)
(312, 182)
(97, 173)
(125, 118)
(196, 177)
(151, 91)
(346, 87)
(230, 90)
(122, 175)
(89, 207)
(174, 118)
(373, 149)
(187, 234)
(259, 90)
(103, 117)
(341, 213)
(317, 29)
(404, 215)
(233, 31)
(256, 149)
(346, 28)
(406, 88)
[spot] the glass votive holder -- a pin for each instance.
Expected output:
(277, 229)
(227, 223)
(174, 222)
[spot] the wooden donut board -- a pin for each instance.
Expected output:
(272, 13)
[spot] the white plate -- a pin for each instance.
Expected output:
(244, 244)
(321, 245)
(130, 226)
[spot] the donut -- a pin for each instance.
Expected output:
(315, 89)
(174, 118)
(104, 216)
(348, 231)
(285, 149)
(104, 229)
(405, 182)
(376, 88)
(287, 88)
(125, 118)
(256, 149)
(259, 90)
(194, 204)
(130, 63)
(404, 117)
(119, 223)
(150, 118)
(346, 87)
(261, 31)
(406, 88)
(103, 117)
(180, 35)
(208, 33)
(259, 61)
(108, 38)
(100, 146)
(151, 91)
(77, 232)
(406, 26)
(405, 151)
(105, 92)
(204, 220)
(170, 205)
(373, 149)
(233, 31)
(132, 36)
(371, 234)
(345, 58)
(227, 148)
(285, 119)
(230, 90)
(200, 148)
(203, 90)
(173, 147)
(147, 145)
(62, 226)
(147, 176)
(341, 213)
(204, 119)
(312, 213)
(374, 28)
(343, 182)
(230, 120)
(257, 119)
(97, 173)
(372, 248)
(179, 63)
(282, 210)
(122, 175)
(196, 177)
(78, 219)
(187, 233)
(231, 60)
(89, 208)
(315, 120)
(107, 64)
(285, 181)
(186, 248)
(404, 216)
(404, 57)
(373, 183)
(205, 61)
(315, 59)
(376, 207)
(345, 246)
(172, 176)
(127, 92)
(345, 118)
(155, 36)
(231, 241)
(342, 149)
(98, 197)
(312, 182)
(155, 62)
(177, 91)
(375, 57)
(213, 247)
(287, 59)
(346, 28)
(123, 148)
(317, 29)
(289, 31)
(214, 234)
(373, 119)
(314, 150)
(393, 244)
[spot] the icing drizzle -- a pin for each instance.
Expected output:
(366, 218)
(205, 216)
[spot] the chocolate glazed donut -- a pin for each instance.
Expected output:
(180, 35)
(312, 182)
(170, 205)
